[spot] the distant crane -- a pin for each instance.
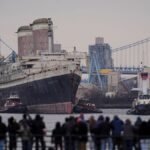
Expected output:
(12, 56)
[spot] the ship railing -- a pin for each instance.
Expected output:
(43, 68)
(142, 143)
(17, 73)
(80, 55)
(12, 76)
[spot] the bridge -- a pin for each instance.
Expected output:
(128, 59)
(134, 55)
(128, 70)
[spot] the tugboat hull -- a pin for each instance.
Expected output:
(85, 106)
(78, 109)
(142, 109)
(15, 109)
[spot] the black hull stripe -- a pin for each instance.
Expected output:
(46, 91)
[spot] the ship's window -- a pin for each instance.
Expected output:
(28, 66)
(34, 59)
(144, 96)
(72, 59)
(141, 96)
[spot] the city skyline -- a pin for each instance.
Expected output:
(77, 23)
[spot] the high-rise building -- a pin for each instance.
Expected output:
(99, 58)
(103, 53)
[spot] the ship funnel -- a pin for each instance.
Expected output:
(50, 36)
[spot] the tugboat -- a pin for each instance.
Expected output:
(141, 104)
(13, 104)
(85, 106)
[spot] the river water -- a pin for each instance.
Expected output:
(51, 119)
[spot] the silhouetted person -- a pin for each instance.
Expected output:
(81, 134)
(30, 124)
(13, 129)
(25, 132)
(39, 132)
(3, 130)
(136, 142)
(143, 132)
(98, 131)
(105, 134)
(69, 133)
(57, 136)
(128, 135)
(92, 125)
(117, 128)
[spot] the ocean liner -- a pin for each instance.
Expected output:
(46, 81)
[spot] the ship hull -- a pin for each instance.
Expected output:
(56, 108)
(52, 90)
(141, 109)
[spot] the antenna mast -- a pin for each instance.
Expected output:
(50, 36)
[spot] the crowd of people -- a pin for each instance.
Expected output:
(29, 130)
(102, 134)
(74, 134)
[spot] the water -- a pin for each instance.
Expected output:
(51, 119)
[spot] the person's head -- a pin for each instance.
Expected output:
(24, 116)
(139, 119)
(58, 125)
(107, 119)
(38, 117)
(66, 120)
(116, 117)
(92, 118)
(10, 120)
(128, 122)
(82, 116)
(101, 118)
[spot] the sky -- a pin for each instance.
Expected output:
(78, 22)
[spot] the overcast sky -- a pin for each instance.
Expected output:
(78, 22)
